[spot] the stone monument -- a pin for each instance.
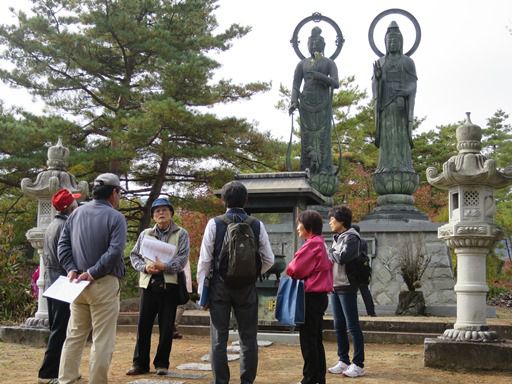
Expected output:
(470, 179)
(46, 184)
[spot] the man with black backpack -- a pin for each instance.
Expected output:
(235, 250)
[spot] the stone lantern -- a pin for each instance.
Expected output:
(470, 179)
(46, 184)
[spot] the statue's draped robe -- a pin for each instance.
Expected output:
(315, 108)
(394, 113)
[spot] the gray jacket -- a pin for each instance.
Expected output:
(93, 240)
(174, 266)
(344, 249)
(52, 267)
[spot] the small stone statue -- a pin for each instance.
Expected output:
(394, 89)
(320, 77)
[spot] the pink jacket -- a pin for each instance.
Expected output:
(312, 265)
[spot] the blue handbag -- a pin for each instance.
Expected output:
(290, 306)
(205, 292)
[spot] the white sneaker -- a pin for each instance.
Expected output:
(354, 371)
(338, 368)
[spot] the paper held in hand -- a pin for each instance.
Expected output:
(64, 290)
(153, 248)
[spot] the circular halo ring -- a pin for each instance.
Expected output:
(317, 17)
(391, 11)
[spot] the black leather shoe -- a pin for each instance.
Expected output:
(161, 371)
(136, 371)
(177, 335)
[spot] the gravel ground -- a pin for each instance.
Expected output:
(385, 364)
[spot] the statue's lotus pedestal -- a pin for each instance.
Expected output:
(395, 201)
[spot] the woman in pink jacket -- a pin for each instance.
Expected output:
(312, 265)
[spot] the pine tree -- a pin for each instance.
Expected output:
(497, 138)
(136, 77)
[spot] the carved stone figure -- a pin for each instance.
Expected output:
(319, 76)
(394, 89)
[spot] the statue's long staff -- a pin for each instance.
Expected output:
(376, 66)
(340, 157)
(315, 17)
(289, 150)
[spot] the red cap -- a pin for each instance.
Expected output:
(63, 199)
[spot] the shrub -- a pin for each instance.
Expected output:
(413, 261)
(16, 302)
(130, 282)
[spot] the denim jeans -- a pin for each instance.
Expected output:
(346, 318)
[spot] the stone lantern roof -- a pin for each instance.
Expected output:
(55, 177)
(469, 166)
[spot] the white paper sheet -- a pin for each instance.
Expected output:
(64, 290)
(153, 248)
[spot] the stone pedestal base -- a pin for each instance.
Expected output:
(35, 337)
(457, 355)
(482, 335)
(37, 322)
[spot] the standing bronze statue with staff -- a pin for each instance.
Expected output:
(318, 76)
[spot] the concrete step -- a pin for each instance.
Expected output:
(427, 326)
(392, 329)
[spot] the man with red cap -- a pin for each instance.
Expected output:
(64, 203)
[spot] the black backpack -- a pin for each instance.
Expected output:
(238, 262)
(359, 270)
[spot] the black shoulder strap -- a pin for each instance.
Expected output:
(221, 225)
(255, 226)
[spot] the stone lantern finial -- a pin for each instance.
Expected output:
(58, 156)
(469, 136)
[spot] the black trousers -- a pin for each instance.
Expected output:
(152, 304)
(310, 334)
(244, 304)
(367, 298)
(58, 316)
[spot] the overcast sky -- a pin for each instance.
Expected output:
(464, 61)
